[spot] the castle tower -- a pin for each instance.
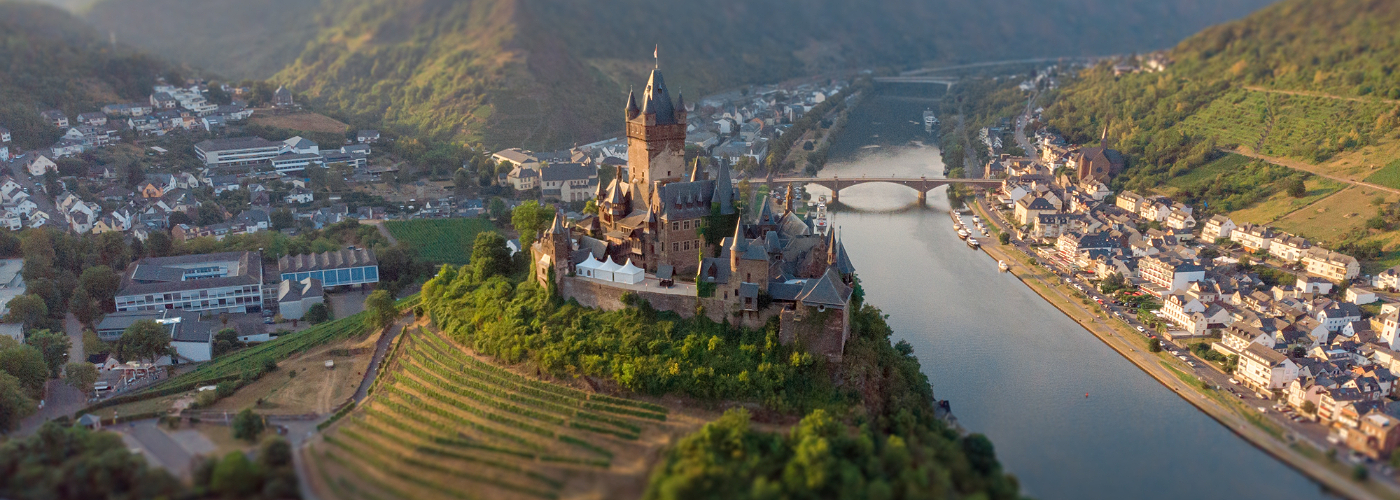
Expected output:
(655, 138)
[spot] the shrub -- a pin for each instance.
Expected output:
(225, 389)
(247, 425)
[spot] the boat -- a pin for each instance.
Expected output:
(963, 234)
(972, 243)
(1003, 266)
(821, 222)
(930, 120)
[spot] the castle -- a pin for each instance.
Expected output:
(648, 232)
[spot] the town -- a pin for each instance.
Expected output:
(1289, 327)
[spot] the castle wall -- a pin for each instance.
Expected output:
(590, 293)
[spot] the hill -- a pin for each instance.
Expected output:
(545, 73)
(1304, 84)
(50, 59)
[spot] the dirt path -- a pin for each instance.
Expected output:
(1309, 168)
(323, 400)
(1306, 93)
(384, 230)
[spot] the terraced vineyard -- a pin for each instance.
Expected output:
(442, 424)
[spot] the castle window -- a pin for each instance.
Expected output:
(687, 245)
(685, 225)
(675, 226)
(675, 247)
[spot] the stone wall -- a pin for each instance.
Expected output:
(599, 295)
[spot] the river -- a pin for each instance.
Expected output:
(1014, 367)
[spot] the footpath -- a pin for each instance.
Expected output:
(1123, 341)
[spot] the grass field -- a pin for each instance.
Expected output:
(443, 424)
(1281, 204)
(1209, 171)
(1388, 176)
(306, 122)
(447, 241)
(1329, 219)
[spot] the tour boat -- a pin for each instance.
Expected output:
(821, 221)
(972, 242)
(1003, 266)
(930, 120)
(963, 234)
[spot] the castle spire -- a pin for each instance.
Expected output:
(724, 189)
(632, 110)
(695, 173)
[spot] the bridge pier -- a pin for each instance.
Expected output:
(835, 189)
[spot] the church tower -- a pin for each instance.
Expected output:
(655, 138)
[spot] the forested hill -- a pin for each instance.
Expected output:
(1304, 79)
(50, 59)
(544, 73)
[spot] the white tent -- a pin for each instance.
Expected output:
(587, 267)
(629, 274)
(605, 271)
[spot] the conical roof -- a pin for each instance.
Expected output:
(632, 110)
(657, 101)
(724, 189)
(737, 242)
(695, 173)
(558, 227)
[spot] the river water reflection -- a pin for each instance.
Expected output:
(1013, 366)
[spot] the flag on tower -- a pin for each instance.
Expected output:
(656, 54)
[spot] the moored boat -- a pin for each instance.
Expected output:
(1003, 266)
(963, 234)
(972, 242)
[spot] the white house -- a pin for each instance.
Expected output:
(299, 195)
(39, 164)
(1265, 370)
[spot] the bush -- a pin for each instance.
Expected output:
(1154, 345)
(269, 365)
(226, 388)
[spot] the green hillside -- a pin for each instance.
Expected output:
(49, 59)
(1303, 79)
(546, 73)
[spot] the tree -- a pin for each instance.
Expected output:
(275, 452)
(101, 283)
(235, 476)
(65, 462)
(381, 309)
(177, 218)
(25, 363)
(28, 309)
(159, 244)
(15, 404)
(82, 306)
(1309, 408)
(490, 257)
(1154, 345)
(144, 339)
(81, 375)
(1296, 188)
(496, 208)
(247, 425)
(529, 219)
(590, 207)
(226, 340)
(282, 219)
(1004, 238)
(461, 179)
(53, 346)
(318, 313)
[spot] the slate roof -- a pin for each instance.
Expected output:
(657, 100)
(236, 143)
(825, 291)
(246, 271)
(337, 259)
(567, 172)
(685, 200)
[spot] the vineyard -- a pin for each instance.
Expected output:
(447, 241)
(441, 423)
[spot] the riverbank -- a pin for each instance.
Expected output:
(1133, 347)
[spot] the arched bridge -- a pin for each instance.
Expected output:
(921, 184)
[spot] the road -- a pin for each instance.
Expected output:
(1115, 337)
(159, 445)
(60, 399)
(1309, 168)
(1320, 94)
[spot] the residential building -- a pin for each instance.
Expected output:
(351, 266)
(299, 196)
(55, 118)
(37, 164)
(294, 298)
(1376, 435)
(524, 178)
(367, 136)
(282, 98)
(568, 182)
(515, 157)
(1331, 265)
(1265, 370)
(1070, 244)
(221, 282)
(1288, 247)
(1218, 226)
(1181, 220)
(1169, 272)
(1253, 237)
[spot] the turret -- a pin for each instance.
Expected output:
(695, 173)
(736, 244)
(631, 110)
(724, 189)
